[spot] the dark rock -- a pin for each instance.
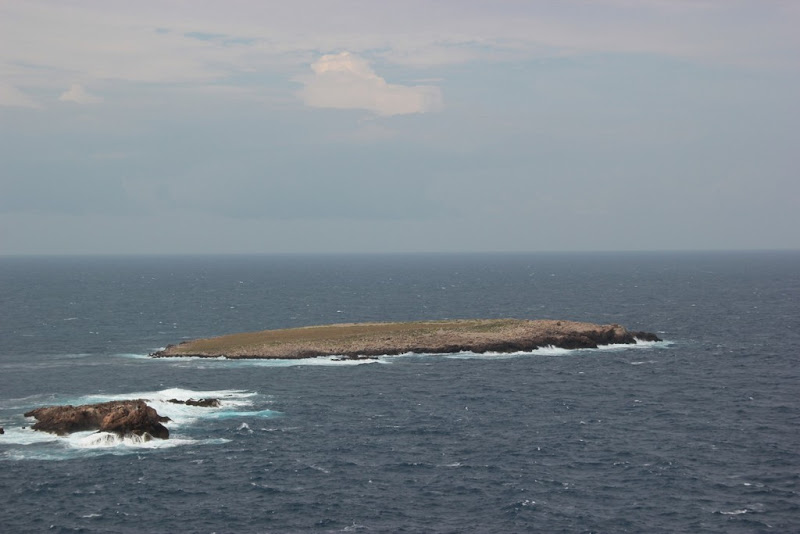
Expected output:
(204, 403)
(118, 417)
(645, 336)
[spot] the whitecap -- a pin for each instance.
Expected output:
(752, 508)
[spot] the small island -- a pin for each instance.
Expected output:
(369, 340)
(124, 418)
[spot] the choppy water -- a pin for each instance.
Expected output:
(696, 434)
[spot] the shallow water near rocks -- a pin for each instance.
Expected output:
(697, 433)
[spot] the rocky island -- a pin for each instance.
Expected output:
(368, 340)
(122, 417)
(127, 417)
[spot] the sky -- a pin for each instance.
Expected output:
(326, 126)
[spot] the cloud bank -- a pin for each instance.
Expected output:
(346, 81)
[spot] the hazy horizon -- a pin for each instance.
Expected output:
(408, 253)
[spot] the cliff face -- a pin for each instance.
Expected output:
(434, 337)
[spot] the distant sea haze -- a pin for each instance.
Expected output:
(697, 433)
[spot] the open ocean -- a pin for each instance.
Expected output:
(699, 433)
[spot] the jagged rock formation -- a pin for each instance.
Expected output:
(360, 340)
(204, 403)
(119, 417)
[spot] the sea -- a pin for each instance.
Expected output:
(697, 433)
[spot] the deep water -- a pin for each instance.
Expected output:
(699, 433)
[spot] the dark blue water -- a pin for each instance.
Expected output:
(697, 434)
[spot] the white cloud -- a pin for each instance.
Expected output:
(76, 93)
(345, 81)
(12, 97)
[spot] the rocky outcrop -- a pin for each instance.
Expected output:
(128, 417)
(360, 340)
(203, 403)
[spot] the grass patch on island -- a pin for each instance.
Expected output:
(348, 332)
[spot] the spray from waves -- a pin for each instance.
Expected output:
(185, 423)
(233, 403)
(105, 440)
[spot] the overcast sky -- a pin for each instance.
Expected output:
(392, 126)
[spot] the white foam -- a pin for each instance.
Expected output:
(322, 361)
(134, 356)
(100, 440)
(100, 443)
(466, 355)
(106, 440)
(182, 414)
(25, 436)
(230, 397)
(549, 350)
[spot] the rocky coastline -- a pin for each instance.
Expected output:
(369, 340)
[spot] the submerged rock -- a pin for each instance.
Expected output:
(123, 418)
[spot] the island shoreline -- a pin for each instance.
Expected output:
(354, 341)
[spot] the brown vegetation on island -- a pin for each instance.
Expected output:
(360, 340)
